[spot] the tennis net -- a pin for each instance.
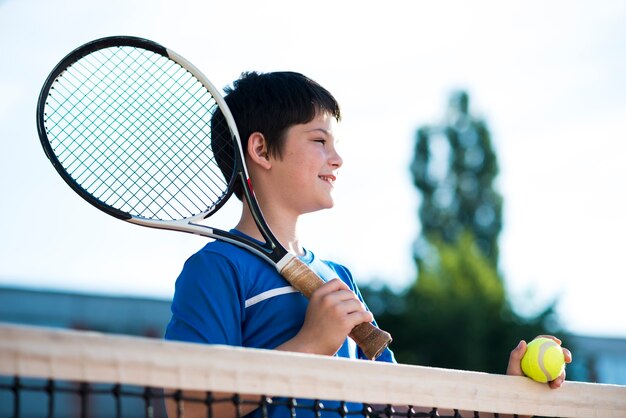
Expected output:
(62, 373)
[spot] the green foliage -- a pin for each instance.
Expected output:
(459, 272)
(456, 315)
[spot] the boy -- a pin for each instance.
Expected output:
(227, 295)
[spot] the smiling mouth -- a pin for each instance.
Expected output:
(328, 179)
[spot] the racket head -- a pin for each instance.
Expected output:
(128, 124)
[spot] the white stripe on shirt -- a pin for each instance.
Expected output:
(269, 294)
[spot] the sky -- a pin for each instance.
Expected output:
(547, 77)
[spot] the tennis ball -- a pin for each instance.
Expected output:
(543, 360)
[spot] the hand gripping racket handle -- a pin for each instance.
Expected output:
(371, 339)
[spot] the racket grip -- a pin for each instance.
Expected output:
(371, 339)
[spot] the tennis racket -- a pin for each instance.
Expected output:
(128, 125)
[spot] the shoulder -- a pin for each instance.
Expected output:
(220, 265)
(218, 254)
(224, 250)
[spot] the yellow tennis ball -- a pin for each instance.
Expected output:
(543, 360)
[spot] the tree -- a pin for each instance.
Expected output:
(454, 168)
(456, 314)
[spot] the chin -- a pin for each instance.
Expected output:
(322, 206)
(329, 203)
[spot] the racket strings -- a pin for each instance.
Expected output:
(132, 128)
(109, 88)
(138, 125)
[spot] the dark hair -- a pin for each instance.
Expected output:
(269, 103)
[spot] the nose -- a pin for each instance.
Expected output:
(335, 159)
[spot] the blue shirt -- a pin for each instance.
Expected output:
(228, 295)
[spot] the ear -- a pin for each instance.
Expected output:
(257, 150)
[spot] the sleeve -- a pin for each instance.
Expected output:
(208, 302)
(345, 275)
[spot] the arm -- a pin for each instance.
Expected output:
(332, 312)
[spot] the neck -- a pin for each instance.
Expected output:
(283, 226)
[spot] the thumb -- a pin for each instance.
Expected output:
(515, 360)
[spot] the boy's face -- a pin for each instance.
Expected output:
(305, 173)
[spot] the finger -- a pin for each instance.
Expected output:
(355, 314)
(353, 305)
(344, 296)
(552, 337)
(330, 287)
(341, 305)
(361, 317)
(337, 284)
(568, 355)
(346, 315)
(556, 383)
(514, 367)
(335, 290)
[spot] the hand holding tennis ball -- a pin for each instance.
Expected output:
(544, 360)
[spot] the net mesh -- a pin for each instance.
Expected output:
(133, 129)
(60, 373)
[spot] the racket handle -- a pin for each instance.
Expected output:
(371, 339)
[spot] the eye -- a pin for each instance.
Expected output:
(321, 141)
